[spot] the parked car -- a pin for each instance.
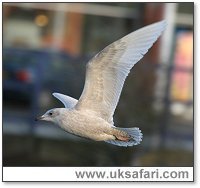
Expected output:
(34, 73)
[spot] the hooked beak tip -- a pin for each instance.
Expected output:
(38, 118)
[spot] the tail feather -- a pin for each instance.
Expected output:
(135, 137)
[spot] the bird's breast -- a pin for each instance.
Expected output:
(83, 124)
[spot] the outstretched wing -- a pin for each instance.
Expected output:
(68, 102)
(107, 71)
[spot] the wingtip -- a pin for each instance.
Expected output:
(161, 25)
(54, 94)
(164, 22)
(161, 21)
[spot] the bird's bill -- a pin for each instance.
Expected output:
(39, 118)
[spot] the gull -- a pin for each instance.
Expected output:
(92, 115)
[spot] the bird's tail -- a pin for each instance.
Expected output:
(126, 136)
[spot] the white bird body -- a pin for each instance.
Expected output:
(80, 122)
(92, 115)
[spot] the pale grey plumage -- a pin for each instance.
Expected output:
(107, 71)
(68, 101)
(105, 76)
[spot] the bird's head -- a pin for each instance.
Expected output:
(51, 115)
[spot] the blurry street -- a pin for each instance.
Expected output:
(43, 139)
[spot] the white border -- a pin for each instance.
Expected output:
(109, 174)
(196, 105)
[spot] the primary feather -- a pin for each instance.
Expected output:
(107, 71)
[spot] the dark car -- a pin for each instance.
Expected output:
(32, 75)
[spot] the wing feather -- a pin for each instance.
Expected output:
(107, 71)
(68, 101)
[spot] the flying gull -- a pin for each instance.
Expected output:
(92, 115)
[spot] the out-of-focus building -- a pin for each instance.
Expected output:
(76, 28)
(45, 49)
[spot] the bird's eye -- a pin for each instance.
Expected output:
(50, 113)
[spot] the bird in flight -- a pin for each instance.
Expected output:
(92, 115)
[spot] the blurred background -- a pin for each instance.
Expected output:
(45, 49)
